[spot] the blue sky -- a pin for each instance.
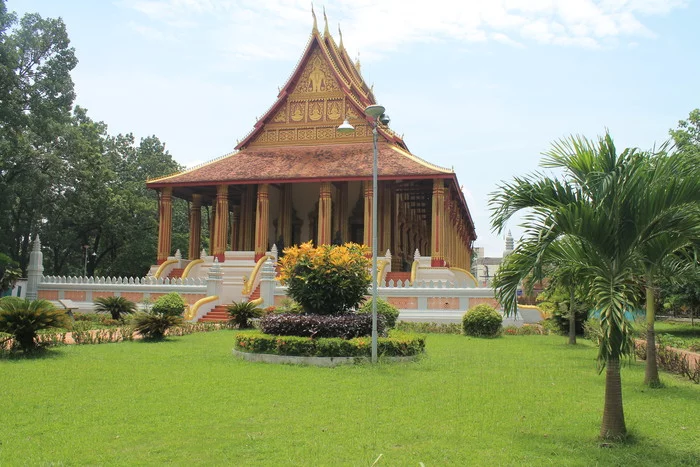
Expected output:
(483, 86)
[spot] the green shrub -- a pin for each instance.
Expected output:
(397, 344)
(592, 330)
(117, 307)
(429, 328)
(525, 330)
(385, 309)
(560, 317)
(482, 321)
(327, 280)
(242, 312)
(153, 325)
(345, 326)
(171, 304)
(24, 318)
(547, 308)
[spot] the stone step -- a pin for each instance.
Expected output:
(176, 273)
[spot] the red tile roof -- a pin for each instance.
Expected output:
(305, 163)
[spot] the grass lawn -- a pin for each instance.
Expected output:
(681, 335)
(525, 400)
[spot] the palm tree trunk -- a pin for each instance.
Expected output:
(613, 426)
(651, 372)
(572, 319)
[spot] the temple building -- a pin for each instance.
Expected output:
(295, 178)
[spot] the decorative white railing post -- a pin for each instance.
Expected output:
(274, 252)
(268, 283)
(35, 270)
(215, 280)
(387, 258)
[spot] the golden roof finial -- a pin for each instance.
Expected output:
(313, 13)
(325, 19)
(358, 67)
(340, 33)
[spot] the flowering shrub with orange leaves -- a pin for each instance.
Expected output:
(326, 280)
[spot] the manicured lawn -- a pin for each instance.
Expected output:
(525, 400)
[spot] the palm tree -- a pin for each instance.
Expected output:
(115, 306)
(24, 318)
(596, 219)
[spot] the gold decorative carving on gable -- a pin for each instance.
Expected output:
(316, 110)
(306, 134)
(281, 115)
(297, 111)
(350, 112)
(334, 109)
(317, 76)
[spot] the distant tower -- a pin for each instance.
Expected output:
(509, 244)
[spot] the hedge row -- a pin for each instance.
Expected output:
(345, 326)
(398, 344)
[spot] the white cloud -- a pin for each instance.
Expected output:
(273, 28)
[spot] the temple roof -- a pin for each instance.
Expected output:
(306, 163)
(297, 140)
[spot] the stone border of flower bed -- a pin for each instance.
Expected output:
(257, 346)
(314, 361)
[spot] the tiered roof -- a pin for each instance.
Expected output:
(297, 140)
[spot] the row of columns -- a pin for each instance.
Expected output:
(450, 240)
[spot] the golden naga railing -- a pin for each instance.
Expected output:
(469, 274)
(189, 267)
(381, 266)
(164, 265)
(192, 311)
(258, 301)
(248, 285)
(414, 271)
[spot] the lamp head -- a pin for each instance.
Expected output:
(374, 111)
(345, 128)
(384, 119)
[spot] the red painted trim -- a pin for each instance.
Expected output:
(437, 263)
(160, 261)
(221, 257)
(258, 256)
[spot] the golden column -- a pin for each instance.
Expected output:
(285, 219)
(220, 233)
(245, 239)
(367, 233)
(437, 232)
(341, 212)
(385, 216)
(324, 214)
(261, 221)
(195, 227)
(235, 220)
(165, 219)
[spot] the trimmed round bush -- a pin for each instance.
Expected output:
(171, 304)
(384, 308)
(482, 321)
(328, 280)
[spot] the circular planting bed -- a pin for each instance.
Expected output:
(257, 346)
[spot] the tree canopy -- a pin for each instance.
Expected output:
(62, 175)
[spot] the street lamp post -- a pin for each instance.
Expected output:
(376, 115)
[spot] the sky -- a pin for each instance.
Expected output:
(483, 86)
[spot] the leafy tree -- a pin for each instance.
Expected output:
(36, 94)
(610, 208)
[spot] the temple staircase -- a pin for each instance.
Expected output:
(216, 315)
(176, 273)
(397, 276)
